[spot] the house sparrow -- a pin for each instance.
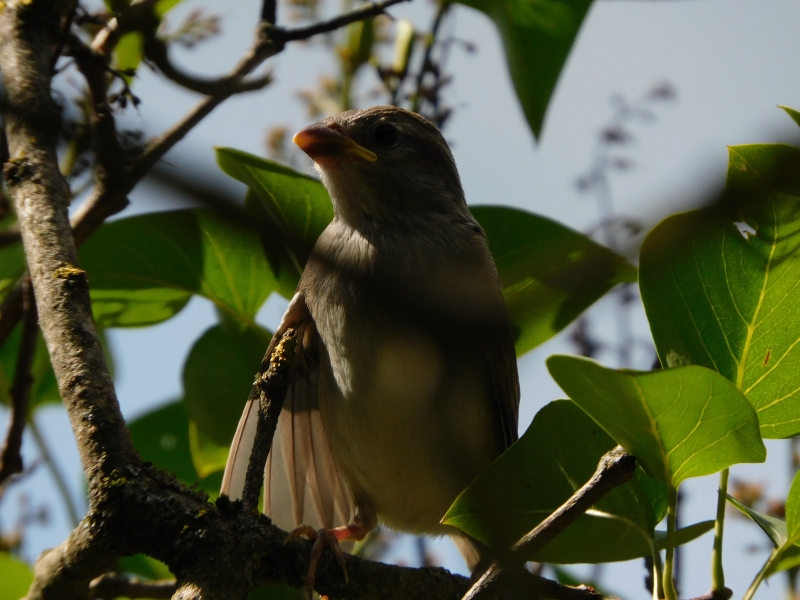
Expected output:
(407, 386)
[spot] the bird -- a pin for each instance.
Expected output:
(406, 387)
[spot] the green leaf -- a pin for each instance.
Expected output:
(557, 454)
(291, 208)
(684, 535)
(144, 566)
(207, 455)
(16, 577)
(728, 301)
(678, 423)
(162, 438)
(550, 273)
(44, 389)
(129, 52)
(12, 266)
(787, 555)
(143, 270)
(537, 37)
(774, 528)
(217, 379)
(164, 6)
(792, 113)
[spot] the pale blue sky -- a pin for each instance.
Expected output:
(731, 62)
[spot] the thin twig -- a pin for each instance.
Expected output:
(156, 51)
(11, 456)
(615, 468)
(430, 41)
(271, 389)
(55, 472)
(112, 585)
(370, 9)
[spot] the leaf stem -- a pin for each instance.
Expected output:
(58, 477)
(669, 562)
(717, 571)
(658, 573)
(762, 574)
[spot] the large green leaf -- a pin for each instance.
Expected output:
(729, 301)
(217, 378)
(679, 423)
(291, 208)
(16, 577)
(557, 454)
(162, 438)
(144, 269)
(550, 273)
(537, 37)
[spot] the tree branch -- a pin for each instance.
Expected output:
(370, 9)
(269, 10)
(41, 195)
(11, 457)
(271, 387)
(615, 468)
(155, 50)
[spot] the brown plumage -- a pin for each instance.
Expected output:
(408, 385)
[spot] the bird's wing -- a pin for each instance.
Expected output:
(504, 382)
(301, 482)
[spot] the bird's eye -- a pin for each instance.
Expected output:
(386, 134)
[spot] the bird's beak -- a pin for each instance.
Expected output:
(321, 141)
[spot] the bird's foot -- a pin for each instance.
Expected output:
(322, 538)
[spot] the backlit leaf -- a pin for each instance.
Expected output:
(537, 37)
(217, 378)
(144, 269)
(550, 273)
(678, 423)
(16, 577)
(558, 454)
(292, 210)
(726, 299)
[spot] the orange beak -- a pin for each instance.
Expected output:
(320, 142)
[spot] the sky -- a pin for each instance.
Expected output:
(731, 63)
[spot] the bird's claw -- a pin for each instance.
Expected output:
(321, 538)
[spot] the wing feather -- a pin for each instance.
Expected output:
(301, 482)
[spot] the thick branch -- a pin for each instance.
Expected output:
(615, 468)
(271, 388)
(11, 457)
(41, 195)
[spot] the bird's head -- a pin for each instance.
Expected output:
(383, 162)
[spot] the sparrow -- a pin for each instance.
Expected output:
(406, 387)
